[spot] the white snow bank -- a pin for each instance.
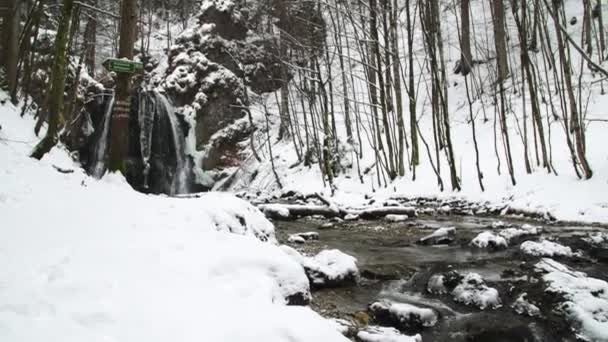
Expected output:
(472, 290)
(88, 260)
(382, 334)
(489, 240)
(547, 248)
(585, 299)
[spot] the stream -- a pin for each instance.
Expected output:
(392, 266)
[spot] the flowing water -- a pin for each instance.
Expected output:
(394, 267)
(100, 153)
(179, 184)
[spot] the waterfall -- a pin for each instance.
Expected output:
(98, 164)
(146, 116)
(179, 183)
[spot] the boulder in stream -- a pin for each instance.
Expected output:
(405, 317)
(489, 240)
(441, 236)
(469, 289)
(546, 248)
(328, 269)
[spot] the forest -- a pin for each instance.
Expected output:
(316, 170)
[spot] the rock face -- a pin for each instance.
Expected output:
(209, 68)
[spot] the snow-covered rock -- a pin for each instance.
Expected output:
(546, 248)
(523, 306)
(351, 217)
(329, 268)
(275, 211)
(472, 290)
(396, 218)
(489, 240)
(303, 237)
(382, 334)
(403, 316)
(598, 238)
(585, 299)
(469, 289)
(440, 236)
(516, 233)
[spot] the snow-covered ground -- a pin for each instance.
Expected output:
(89, 260)
(563, 195)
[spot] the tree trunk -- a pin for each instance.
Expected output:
(119, 130)
(466, 59)
(90, 41)
(499, 40)
(57, 85)
(10, 45)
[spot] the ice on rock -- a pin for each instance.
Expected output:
(403, 316)
(546, 248)
(383, 334)
(296, 239)
(351, 217)
(523, 307)
(489, 240)
(585, 299)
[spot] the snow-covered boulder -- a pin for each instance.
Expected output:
(524, 307)
(489, 240)
(515, 233)
(303, 237)
(546, 248)
(440, 236)
(584, 300)
(383, 334)
(472, 290)
(405, 317)
(469, 289)
(597, 239)
(329, 268)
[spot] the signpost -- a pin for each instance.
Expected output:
(122, 65)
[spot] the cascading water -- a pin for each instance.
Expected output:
(179, 183)
(98, 164)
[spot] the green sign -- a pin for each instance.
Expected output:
(122, 65)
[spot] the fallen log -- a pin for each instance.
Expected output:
(293, 211)
(379, 212)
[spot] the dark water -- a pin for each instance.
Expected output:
(394, 267)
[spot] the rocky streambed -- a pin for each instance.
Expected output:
(460, 278)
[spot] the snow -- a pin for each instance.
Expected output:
(597, 238)
(88, 260)
(546, 248)
(585, 299)
(472, 290)
(383, 334)
(275, 210)
(407, 312)
(489, 240)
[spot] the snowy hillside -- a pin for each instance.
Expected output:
(89, 260)
(559, 192)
